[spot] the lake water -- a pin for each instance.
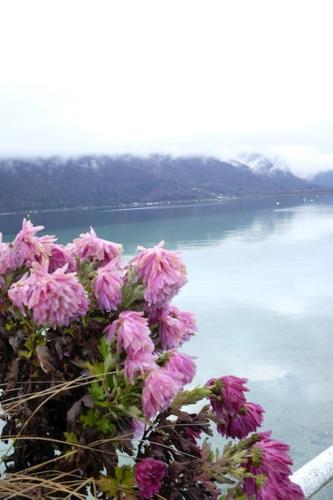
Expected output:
(261, 287)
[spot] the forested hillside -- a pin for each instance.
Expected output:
(113, 180)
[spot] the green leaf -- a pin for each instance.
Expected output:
(71, 437)
(97, 392)
(94, 419)
(109, 362)
(190, 397)
(104, 425)
(108, 485)
(125, 476)
(134, 412)
(90, 419)
(104, 347)
(96, 368)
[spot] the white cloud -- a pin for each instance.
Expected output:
(192, 76)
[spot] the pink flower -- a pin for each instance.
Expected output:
(29, 248)
(175, 327)
(19, 292)
(149, 474)
(108, 284)
(236, 417)
(161, 271)
(7, 261)
(132, 332)
(139, 364)
(89, 246)
(240, 424)
(55, 299)
(183, 365)
(159, 390)
(60, 256)
(133, 336)
(270, 458)
(228, 394)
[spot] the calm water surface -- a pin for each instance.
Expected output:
(261, 286)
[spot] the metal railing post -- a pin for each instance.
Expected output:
(314, 475)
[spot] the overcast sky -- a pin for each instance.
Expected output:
(181, 76)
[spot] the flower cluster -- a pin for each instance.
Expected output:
(236, 417)
(75, 315)
(271, 460)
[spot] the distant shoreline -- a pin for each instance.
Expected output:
(122, 207)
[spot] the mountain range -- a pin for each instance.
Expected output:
(101, 180)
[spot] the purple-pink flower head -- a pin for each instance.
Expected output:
(60, 256)
(238, 424)
(108, 284)
(175, 327)
(161, 271)
(56, 299)
(29, 248)
(89, 246)
(149, 474)
(132, 333)
(270, 458)
(182, 364)
(133, 336)
(228, 394)
(236, 417)
(159, 390)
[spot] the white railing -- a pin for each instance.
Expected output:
(317, 473)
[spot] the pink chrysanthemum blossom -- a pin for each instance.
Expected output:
(60, 256)
(149, 474)
(133, 336)
(55, 299)
(270, 458)
(239, 424)
(29, 248)
(159, 390)
(175, 327)
(132, 332)
(182, 364)
(19, 291)
(161, 271)
(140, 364)
(230, 395)
(7, 261)
(236, 417)
(108, 284)
(89, 246)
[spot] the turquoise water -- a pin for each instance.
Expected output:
(261, 287)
